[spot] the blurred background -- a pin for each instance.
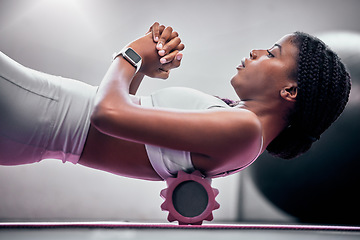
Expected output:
(76, 38)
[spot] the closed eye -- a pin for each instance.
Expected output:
(270, 55)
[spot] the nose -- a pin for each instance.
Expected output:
(253, 54)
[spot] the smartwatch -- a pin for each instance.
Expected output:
(131, 56)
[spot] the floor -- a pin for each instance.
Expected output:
(107, 231)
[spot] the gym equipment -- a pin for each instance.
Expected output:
(189, 198)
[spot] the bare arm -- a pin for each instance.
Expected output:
(135, 83)
(203, 132)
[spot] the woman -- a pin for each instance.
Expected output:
(290, 94)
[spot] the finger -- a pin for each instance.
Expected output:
(174, 35)
(180, 47)
(174, 63)
(155, 31)
(160, 31)
(174, 58)
(165, 35)
(161, 28)
(150, 29)
(164, 71)
(168, 58)
(169, 46)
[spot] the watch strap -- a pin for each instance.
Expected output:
(131, 56)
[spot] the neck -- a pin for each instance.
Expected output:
(271, 116)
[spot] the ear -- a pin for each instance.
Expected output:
(289, 93)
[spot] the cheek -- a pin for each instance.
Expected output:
(269, 72)
(257, 73)
(248, 78)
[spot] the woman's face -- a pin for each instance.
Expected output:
(267, 71)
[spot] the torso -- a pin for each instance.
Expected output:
(117, 156)
(130, 159)
(120, 157)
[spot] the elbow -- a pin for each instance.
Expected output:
(101, 117)
(97, 117)
(108, 118)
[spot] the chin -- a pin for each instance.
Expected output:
(233, 81)
(236, 82)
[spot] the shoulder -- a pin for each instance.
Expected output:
(246, 134)
(241, 132)
(250, 120)
(244, 119)
(247, 125)
(239, 143)
(252, 129)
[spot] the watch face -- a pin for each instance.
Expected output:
(133, 55)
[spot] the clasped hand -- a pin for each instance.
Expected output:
(160, 51)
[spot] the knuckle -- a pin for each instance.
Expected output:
(162, 39)
(166, 48)
(175, 39)
(176, 64)
(168, 58)
(180, 47)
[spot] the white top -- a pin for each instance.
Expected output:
(167, 162)
(43, 116)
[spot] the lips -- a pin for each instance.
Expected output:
(242, 65)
